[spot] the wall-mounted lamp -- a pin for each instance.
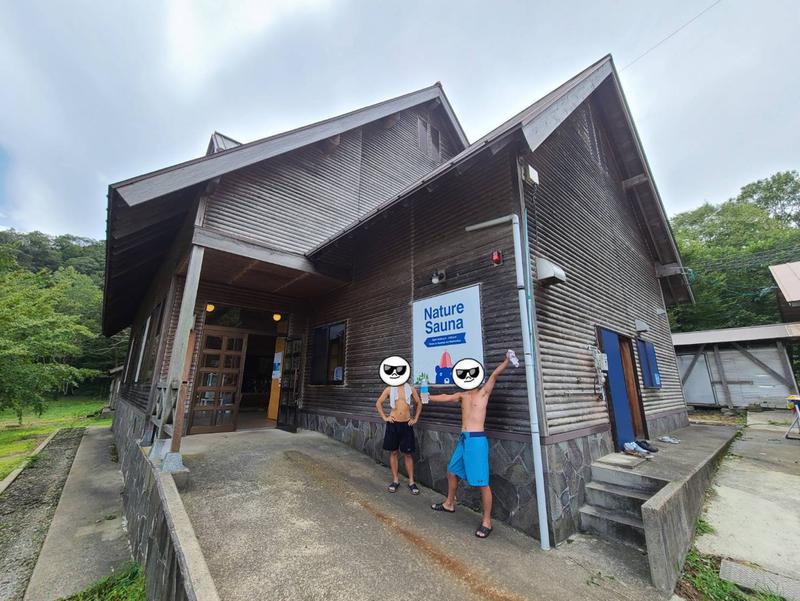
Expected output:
(438, 276)
(210, 307)
(276, 316)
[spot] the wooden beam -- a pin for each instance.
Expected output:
(753, 359)
(722, 377)
(697, 355)
(636, 180)
(787, 366)
(243, 271)
(217, 241)
(669, 269)
(285, 285)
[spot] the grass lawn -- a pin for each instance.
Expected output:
(17, 441)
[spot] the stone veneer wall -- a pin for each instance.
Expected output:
(149, 530)
(658, 425)
(569, 468)
(510, 463)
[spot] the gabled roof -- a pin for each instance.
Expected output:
(775, 331)
(220, 142)
(535, 124)
(177, 177)
(787, 277)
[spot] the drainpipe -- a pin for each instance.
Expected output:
(530, 372)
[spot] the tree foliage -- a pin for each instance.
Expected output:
(38, 339)
(728, 249)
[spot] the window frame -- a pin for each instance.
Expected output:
(648, 364)
(314, 368)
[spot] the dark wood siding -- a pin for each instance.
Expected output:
(582, 221)
(295, 201)
(392, 267)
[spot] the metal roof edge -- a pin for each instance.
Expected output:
(760, 332)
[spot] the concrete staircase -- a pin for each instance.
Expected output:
(614, 499)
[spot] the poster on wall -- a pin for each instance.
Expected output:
(447, 328)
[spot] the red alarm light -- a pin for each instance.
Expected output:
(497, 257)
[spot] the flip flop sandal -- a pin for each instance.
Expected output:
(441, 507)
(414, 489)
(394, 486)
(483, 531)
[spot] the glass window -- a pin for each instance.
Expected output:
(651, 377)
(328, 354)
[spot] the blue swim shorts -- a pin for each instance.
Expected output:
(470, 460)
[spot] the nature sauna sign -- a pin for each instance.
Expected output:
(447, 327)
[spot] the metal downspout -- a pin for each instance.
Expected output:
(530, 368)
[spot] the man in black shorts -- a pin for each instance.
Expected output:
(399, 435)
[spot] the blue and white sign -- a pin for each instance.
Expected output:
(447, 328)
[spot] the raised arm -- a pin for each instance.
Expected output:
(445, 398)
(489, 386)
(418, 401)
(379, 404)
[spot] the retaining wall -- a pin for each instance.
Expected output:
(161, 536)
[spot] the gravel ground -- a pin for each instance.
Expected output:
(27, 507)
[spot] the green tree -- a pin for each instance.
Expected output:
(37, 339)
(728, 249)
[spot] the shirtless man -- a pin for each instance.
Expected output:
(470, 460)
(399, 435)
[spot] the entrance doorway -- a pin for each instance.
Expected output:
(237, 370)
(622, 389)
(256, 380)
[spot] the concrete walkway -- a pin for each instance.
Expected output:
(754, 508)
(301, 516)
(86, 540)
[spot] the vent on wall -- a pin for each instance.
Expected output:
(428, 139)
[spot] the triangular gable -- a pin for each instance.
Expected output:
(220, 142)
(539, 121)
(158, 183)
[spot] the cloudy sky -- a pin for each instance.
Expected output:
(96, 92)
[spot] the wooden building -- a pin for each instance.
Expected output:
(267, 281)
(738, 367)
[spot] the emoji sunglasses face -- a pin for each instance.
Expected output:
(395, 371)
(468, 374)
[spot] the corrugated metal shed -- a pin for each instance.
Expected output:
(776, 331)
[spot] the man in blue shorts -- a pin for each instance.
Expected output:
(470, 460)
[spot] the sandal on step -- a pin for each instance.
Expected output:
(394, 486)
(413, 488)
(441, 507)
(483, 531)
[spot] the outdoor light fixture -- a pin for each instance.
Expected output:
(438, 276)
(276, 316)
(497, 257)
(210, 307)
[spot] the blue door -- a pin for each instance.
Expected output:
(619, 402)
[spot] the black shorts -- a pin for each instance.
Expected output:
(399, 435)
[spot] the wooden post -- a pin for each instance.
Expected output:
(180, 343)
(177, 420)
(722, 377)
(697, 355)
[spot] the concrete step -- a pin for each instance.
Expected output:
(616, 498)
(626, 478)
(613, 525)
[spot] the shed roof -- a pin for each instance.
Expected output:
(775, 331)
(787, 277)
(535, 124)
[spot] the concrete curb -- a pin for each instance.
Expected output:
(187, 547)
(7, 481)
